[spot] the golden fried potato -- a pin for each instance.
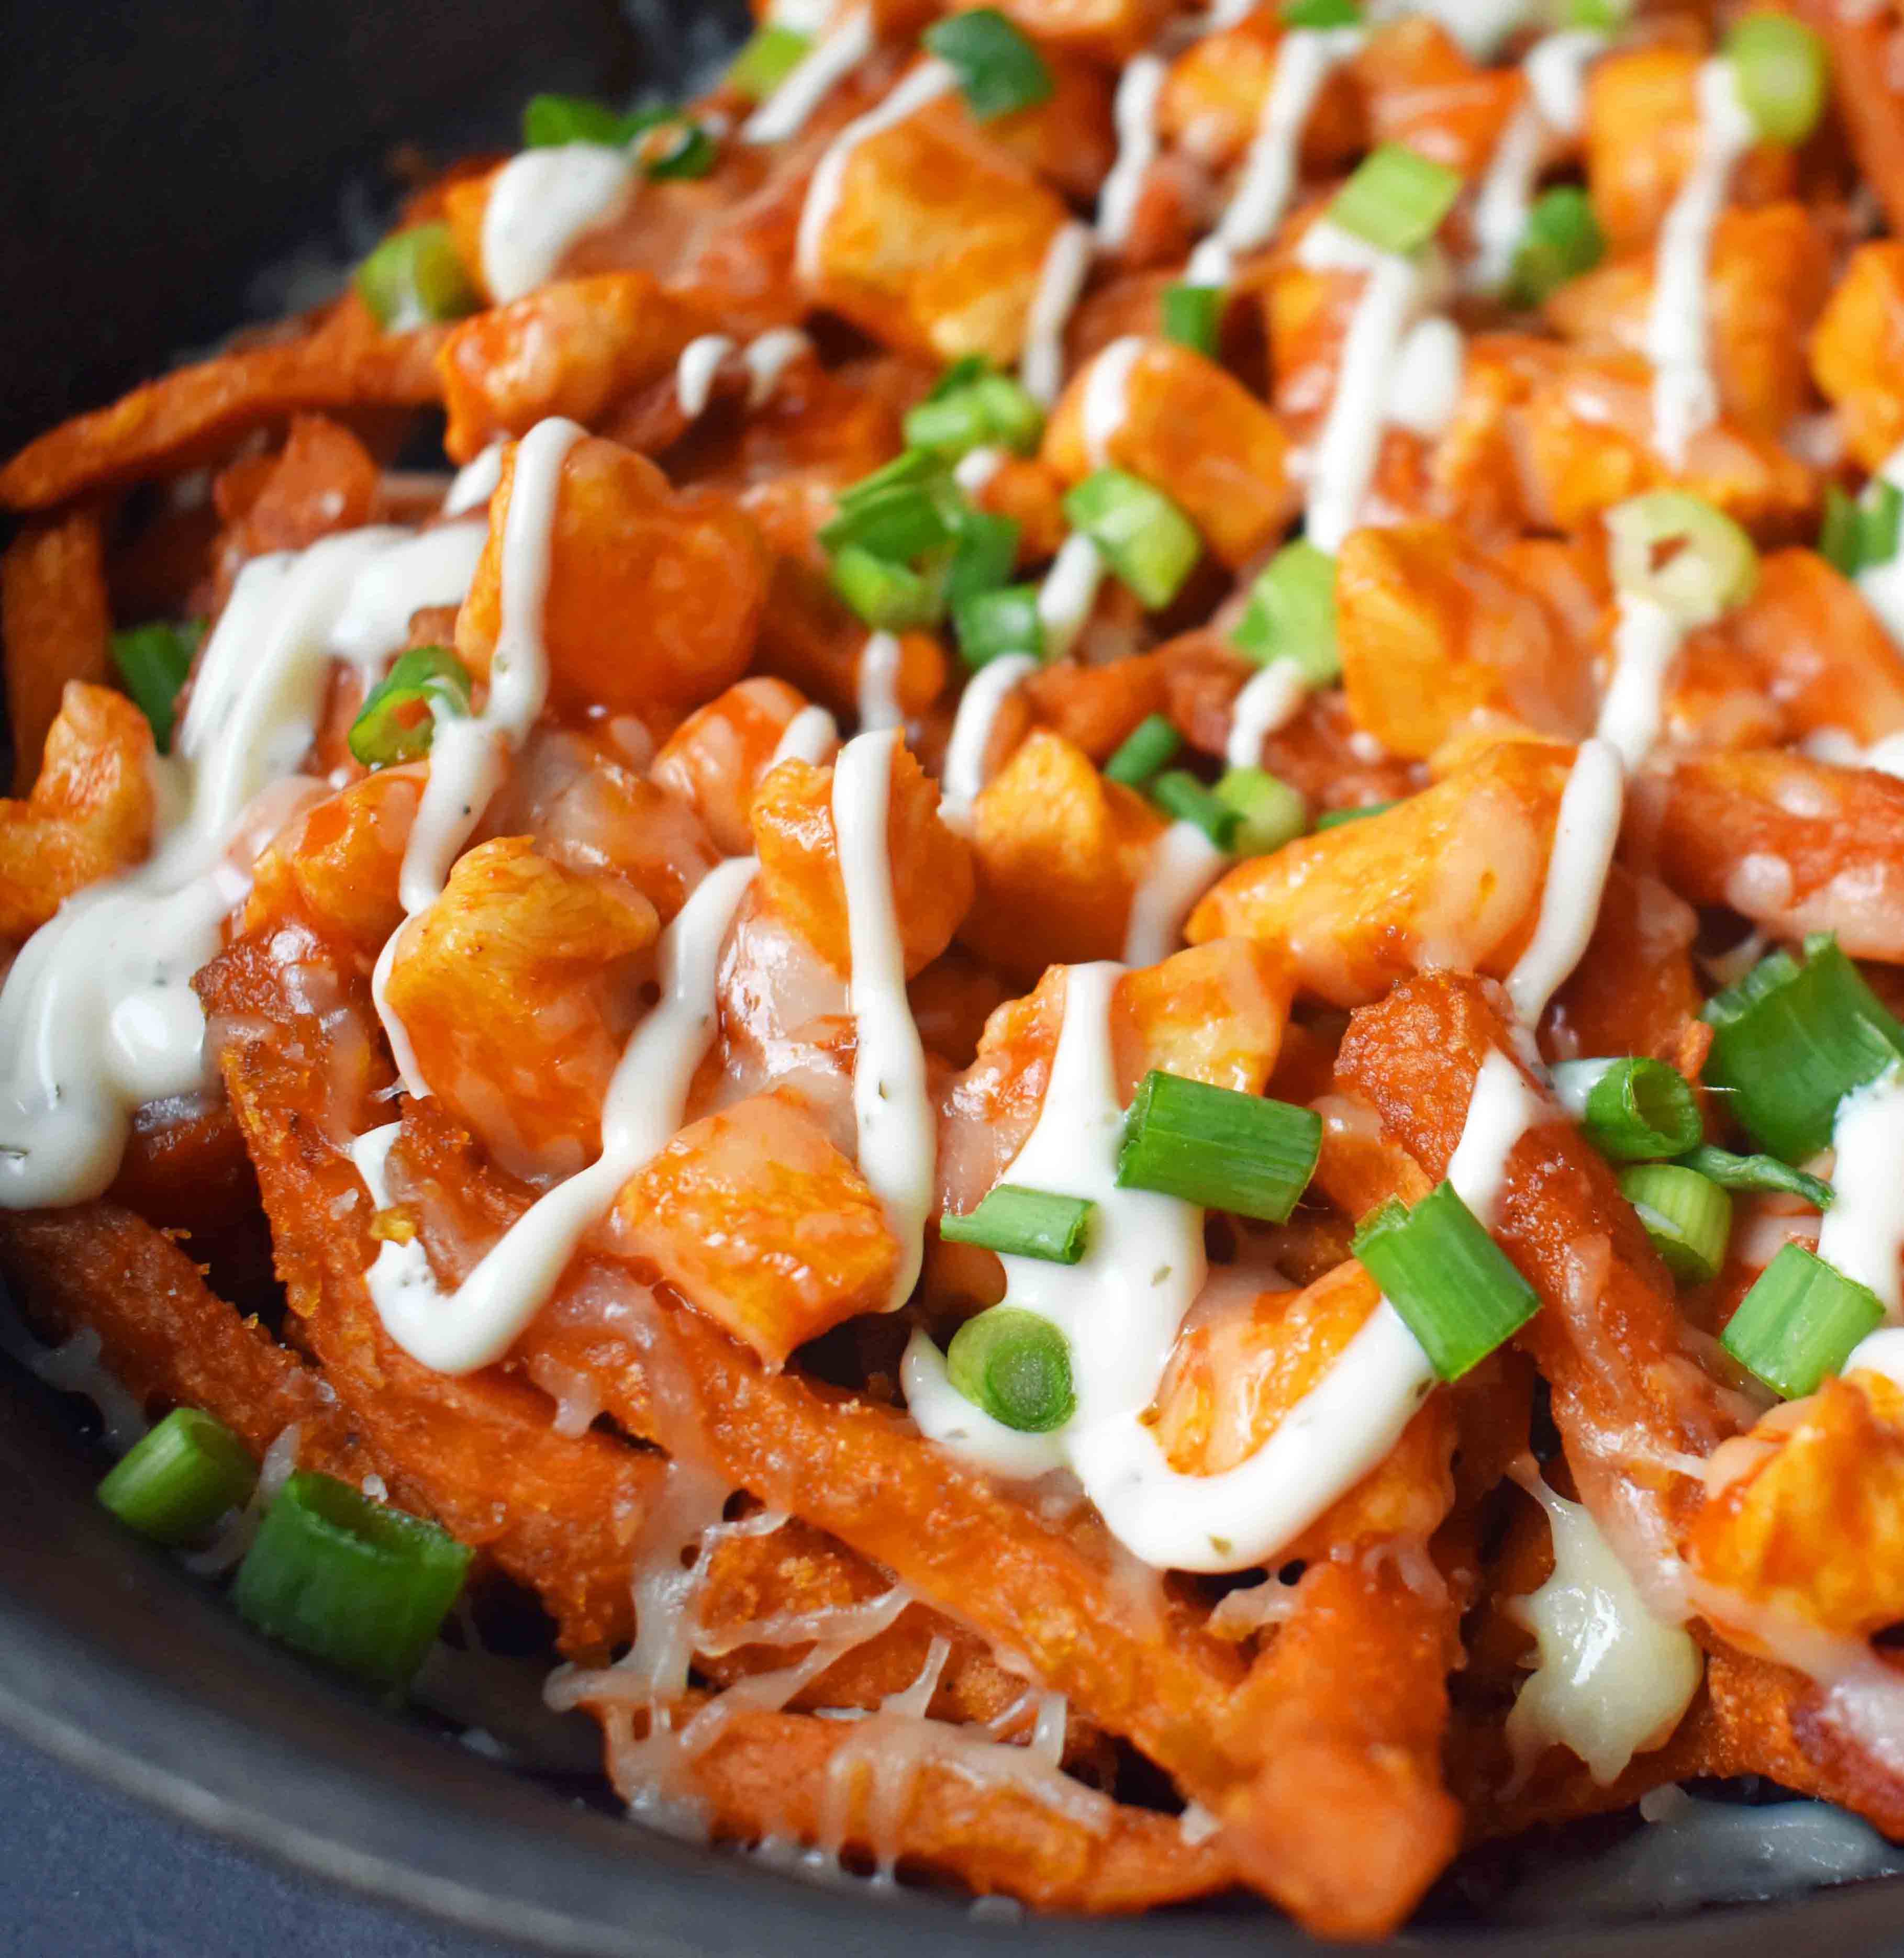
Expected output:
(718, 756)
(1857, 350)
(337, 866)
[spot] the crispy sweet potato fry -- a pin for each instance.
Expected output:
(55, 622)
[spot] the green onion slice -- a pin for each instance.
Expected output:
(416, 276)
(175, 1482)
(1218, 1147)
(910, 466)
(679, 148)
(985, 549)
(1192, 315)
(1000, 71)
(898, 523)
(1321, 14)
(1336, 819)
(1148, 747)
(1688, 1217)
(153, 662)
(991, 623)
(549, 121)
(1291, 613)
(1676, 549)
(1459, 1291)
(361, 1586)
(1758, 1175)
(1272, 812)
(1790, 1041)
(1603, 16)
(1016, 1366)
(1562, 240)
(890, 597)
(768, 56)
(1800, 1321)
(397, 720)
(1397, 198)
(1144, 538)
(1781, 73)
(1633, 1109)
(1020, 1223)
(972, 407)
(1859, 533)
(1179, 794)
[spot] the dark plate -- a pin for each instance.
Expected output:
(155, 156)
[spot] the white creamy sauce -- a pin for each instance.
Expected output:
(1069, 591)
(1863, 1232)
(821, 70)
(876, 681)
(476, 481)
(695, 371)
(1106, 405)
(1306, 58)
(924, 83)
(1646, 639)
(1556, 71)
(986, 694)
(1883, 584)
(1184, 864)
(1480, 26)
(1395, 288)
(765, 360)
(1844, 751)
(1271, 698)
(477, 1324)
(1611, 1680)
(1060, 280)
(1426, 389)
(1584, 836)
(1678, 328)
(98, 1015)
(1879, 1352)
(543, 200)
(767, 357)
(893, 1112)
(811, 735)
(1502, 1109)
(1134, 115)
(433, 567)
(975, 469)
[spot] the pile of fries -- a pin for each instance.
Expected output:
(1369, 793)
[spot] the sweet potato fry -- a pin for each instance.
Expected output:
(55, 622)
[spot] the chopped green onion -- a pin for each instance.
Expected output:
(1180, 796)
(1397, 198)
(153, 662)
(173, 1483)
(550, 120)
(910, 466)
(1603, 16)
(397, 719)
(1016, 1366)
(900, 524)
(1633, 1109)
(1861, 532)
(769, 55)
(1800, 1321)
(416, 276)
(1000, 71)
(1192, 315)
(983, 407)
(1782, 74)
(686, 151)
(1020, 1223)
(1150, 544)
(889, 597)
(985, 547)
(1321, 14)
(968, 368)
(1459, 1292)
(1675, 549)
(1291, 614)
(1764, 1173)
(1273, 811)
(990, 624)
(1790, 1041)
(1688, 1217)
(348, 1581)
(1148, 747)
(1334, 818)
(1562, 240)
(1218, 1147)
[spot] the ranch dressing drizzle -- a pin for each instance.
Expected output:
(1882, 583)
(476, 481)
(1646, 640)
(825, 65)
(1070, 590)
(98, 1016)
(765, 360)
(477, 1324)
(1060, 279)
(1678, 328)
(876, 683)
(694, 372)
(811, 735)
(541, 201)
(1862, 1234)
(1584, 836)
(1134, 117)
(1184, 864)
(1270, 699)
(984, 696)
(926, 83)
(1306, 58)
(1106, 404)
(896, 1122)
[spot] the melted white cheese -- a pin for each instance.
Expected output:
(542, 202)
(1306, 58)
(1060, 279)
(824, 67)
(1862, 1234)
(1270, 699)
(986, 694)
(893, 1112)
(1584, 836)
(1612, 1680)
(1678, 328)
